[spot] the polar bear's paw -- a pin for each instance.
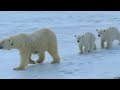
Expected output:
(88, 50)
(19, 68)
(80, 52)
(39, 61)
(54, 62)
(32, 62)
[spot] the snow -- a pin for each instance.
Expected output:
(99, 64)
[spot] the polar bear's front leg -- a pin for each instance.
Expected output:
(102, 43)
(24, 60)
(109, 44)
(85, 49)
(81, 49)
(30, 60)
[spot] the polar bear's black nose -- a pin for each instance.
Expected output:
(1, 47)
(78, 41)
(98, 35)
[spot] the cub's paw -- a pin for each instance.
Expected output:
(81, 52)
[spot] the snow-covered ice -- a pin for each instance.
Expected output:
(99, 64)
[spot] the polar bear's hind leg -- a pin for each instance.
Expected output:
(41, 58)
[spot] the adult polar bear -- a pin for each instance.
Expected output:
(28, 44)
(108, 35)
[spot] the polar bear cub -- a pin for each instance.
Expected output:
(108, 35)
(86, 42)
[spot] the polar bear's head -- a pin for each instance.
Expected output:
(17, 41)
(6, 43)
(101, 32)
(79, 38)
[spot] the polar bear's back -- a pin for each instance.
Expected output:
(42, 34)
(89, 35)
(112, 30)
(42, 38)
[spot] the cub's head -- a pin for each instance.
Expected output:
(79, 38)
(100, 32)
(6, 44)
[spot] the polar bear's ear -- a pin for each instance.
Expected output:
(11, 41)
(82, 36)
(75, 36)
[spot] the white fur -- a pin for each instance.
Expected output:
(86, 42)
(108, 35)
(28, 44)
